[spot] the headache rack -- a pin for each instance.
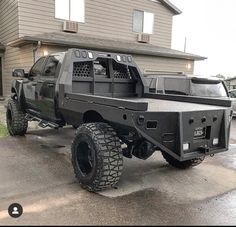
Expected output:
(105, 77)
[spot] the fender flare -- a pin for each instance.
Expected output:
(17, 92)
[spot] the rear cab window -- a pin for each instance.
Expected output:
(208, 88)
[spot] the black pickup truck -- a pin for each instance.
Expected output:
(105, 96)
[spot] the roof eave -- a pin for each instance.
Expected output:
(34, 40)
(171, 7)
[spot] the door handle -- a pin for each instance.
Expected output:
(50, 85)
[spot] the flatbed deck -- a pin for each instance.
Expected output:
(159, 105)
(145, 104)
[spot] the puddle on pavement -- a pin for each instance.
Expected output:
(203, 182)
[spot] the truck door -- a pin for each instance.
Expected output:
(31, 85)
(46, 99)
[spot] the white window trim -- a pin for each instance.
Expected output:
(153, 25)
(61, 19)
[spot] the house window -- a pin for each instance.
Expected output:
(143, 22)
(73, 10)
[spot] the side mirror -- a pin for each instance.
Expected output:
(18, 73)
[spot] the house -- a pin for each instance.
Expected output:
(231, 83)
(143, 28)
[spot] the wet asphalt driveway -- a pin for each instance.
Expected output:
(36, 172)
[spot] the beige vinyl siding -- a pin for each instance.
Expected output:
(163, 64)
(8, 20)
(15, 58)
(8, 32)
(107, 18)
(144, 62)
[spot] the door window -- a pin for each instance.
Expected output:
(37, 67)
(51, 66)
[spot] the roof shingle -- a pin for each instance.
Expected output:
(82, 41)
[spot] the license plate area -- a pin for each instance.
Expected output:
(199, 133)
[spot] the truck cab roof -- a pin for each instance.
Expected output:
(184, 84)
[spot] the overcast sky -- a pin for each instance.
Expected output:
(210, 28)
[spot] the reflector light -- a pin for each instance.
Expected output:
(118, 58)
(186, 146)
(215, 141)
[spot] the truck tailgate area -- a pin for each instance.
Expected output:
(184, 130)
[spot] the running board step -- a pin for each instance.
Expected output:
(42, 123)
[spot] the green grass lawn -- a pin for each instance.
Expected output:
(3, 131)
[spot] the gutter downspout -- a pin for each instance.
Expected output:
(36, 49)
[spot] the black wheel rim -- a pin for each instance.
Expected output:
(85, 158)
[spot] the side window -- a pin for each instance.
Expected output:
(37, 67)
(51, 66)
(176, 86)
(143, 22)
(73, 10)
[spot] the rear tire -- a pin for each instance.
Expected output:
(97, 156)
(182, 165)
(16, 121)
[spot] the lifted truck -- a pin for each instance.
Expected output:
(105, 96)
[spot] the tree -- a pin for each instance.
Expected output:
(220, 76)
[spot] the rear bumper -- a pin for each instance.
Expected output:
(199, 154)
(177, 130)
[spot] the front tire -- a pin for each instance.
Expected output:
(97, 156)
(16, 121)
(182, 165)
